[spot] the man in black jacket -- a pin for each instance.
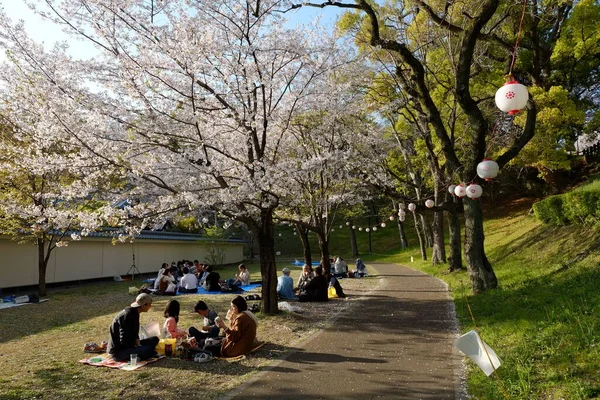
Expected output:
(316, 289)
(124, 340)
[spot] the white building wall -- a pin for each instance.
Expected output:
(97, 258)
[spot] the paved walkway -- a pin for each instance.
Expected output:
(393, 343)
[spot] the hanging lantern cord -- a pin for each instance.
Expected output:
(514, 55)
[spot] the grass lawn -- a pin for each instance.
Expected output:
(40, 344)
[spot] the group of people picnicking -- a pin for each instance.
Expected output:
(239, 338)
(186, 277)
(314, 285)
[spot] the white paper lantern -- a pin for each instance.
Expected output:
(278, 253)
(451, 189)
(412, 207)
(474, 191)
(392, 218)
(429, 203)
(341, 226)
(374, 228)
(367, 230)
(280, 235)
(353, 226)
(383, 225)
(487, 169)
(347, 223)
(512, 97)
(360, 229)
(459, 190)
(332, 229)
(294, 233)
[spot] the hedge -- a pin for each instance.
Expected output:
(578, 208)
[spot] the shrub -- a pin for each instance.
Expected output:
(581, 207)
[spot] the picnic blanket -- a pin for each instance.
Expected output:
(300, 263)
(10, 304)
(105, 360)
(244, 288)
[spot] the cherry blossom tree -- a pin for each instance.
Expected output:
(189, 106)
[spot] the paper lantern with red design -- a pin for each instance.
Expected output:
(487, 169)
(474, 191)
(459, 190)
(412, 207)
(429, 203)
(512, 97)
(451, 189)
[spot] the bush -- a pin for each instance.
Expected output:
(580, 207)
(550, 210)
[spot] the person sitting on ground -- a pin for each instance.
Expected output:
(202, 274)
(166, 285)
(316, 289)
(209, 329)
(174, 274)
(189, 282)
(172, 317)
(240, 337)
(285, 285)
(305, 277)
(124, 340)
(212, 282)
(361, 269)
(340, 268)
(242, 278)
(160, 274)
(333, 282)
(196, 268)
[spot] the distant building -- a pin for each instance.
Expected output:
(96, 257)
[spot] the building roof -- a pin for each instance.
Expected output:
(161, 235)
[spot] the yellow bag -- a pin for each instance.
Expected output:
(332, 294)
(160, 347)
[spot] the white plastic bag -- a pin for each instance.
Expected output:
(285, 306)
(477, 350)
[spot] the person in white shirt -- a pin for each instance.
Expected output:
(242, 278)
(189, 282)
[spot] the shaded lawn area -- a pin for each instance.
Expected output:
(40, 344)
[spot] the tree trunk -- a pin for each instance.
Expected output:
(439, 247)
(427, 232)
(353, 244)
(403, 241)
(324, 246)
(303, 233)
(42, 265)
(420, 236)
(455, 258)
(480, 270)
(268, 267)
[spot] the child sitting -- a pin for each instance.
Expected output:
(172, 317)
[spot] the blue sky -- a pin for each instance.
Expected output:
(46, 32)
